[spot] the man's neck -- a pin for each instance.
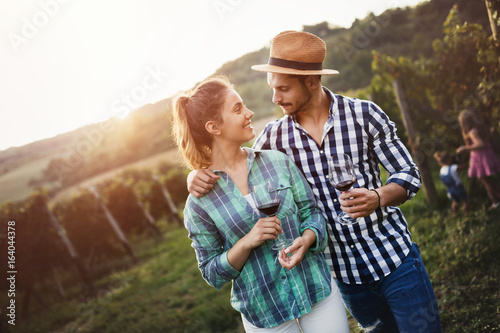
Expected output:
(313, 118)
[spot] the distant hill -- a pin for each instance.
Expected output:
(70, 158)
(397, 32)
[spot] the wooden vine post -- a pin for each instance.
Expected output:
(387, 65)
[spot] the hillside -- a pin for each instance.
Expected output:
(397, 32)
(68, 159)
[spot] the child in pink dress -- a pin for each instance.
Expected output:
(483, 163)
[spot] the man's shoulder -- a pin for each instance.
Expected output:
(272, 134)
(277, 124)
(353, 101)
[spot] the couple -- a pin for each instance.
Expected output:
(374, 263)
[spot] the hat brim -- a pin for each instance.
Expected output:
(283, 70)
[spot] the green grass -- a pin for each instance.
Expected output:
(163, 293)
(14, 183)
(166, 293)
(461, 256)
(460, 253)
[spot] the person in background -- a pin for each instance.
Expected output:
(374, 261)
(483, 163)
(233, 240)
(449, 176)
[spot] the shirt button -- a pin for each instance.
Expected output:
(352, 246)
(321, 152)
(334, 200)
(327, 176)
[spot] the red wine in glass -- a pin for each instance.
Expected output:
(344, 186)
(267, 201)
(342, 176)
(269, 209)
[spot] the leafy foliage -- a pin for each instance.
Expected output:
(463, 73)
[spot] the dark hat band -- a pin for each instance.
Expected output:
(295, 64)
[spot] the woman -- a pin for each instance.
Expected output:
(483, 163)
(233, 240)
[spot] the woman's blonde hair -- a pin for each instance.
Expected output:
(470, 119)
(191, 111)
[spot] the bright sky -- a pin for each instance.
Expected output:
(67, 63)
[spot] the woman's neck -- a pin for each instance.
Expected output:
(233, 161)
(228, 158)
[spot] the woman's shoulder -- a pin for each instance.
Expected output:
(473, 131)
(205, 201)
(477, 137)
(193, 202)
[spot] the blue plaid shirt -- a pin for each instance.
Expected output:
(264, 292)
(376, 246)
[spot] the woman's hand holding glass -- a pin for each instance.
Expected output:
(266, 228)
(267, 201)
(292, 256)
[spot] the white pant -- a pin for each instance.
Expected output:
(328, 315)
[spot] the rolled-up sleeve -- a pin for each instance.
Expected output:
(392, 154)
(208, 245)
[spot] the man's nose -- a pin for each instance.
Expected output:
(276, 97)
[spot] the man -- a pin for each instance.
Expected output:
(377, 267)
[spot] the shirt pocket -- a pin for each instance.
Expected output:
(287, 202)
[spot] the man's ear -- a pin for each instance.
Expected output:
(312, 81)
(212, 127)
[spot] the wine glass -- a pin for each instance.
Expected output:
(342, 177)
(267, 201)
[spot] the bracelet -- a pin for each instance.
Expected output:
(378, 195)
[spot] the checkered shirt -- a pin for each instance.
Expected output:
(374, 247)
(264, 292)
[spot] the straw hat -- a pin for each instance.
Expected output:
(296, 52)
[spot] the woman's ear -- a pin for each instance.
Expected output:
(212, 127)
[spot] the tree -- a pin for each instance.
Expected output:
(398, 72)
(463, 73)
(34, 246)
(457, 65)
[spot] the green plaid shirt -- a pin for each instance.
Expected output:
(264, 292)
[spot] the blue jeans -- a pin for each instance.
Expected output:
(403, 301)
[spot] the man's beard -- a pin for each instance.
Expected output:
(300, 104)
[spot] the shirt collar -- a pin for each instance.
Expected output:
(252, 154)
(333, 101)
